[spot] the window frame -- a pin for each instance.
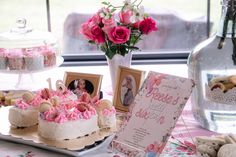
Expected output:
(160, 57)
(142, 57)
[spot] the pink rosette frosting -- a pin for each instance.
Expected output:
(21, 104)
(50, 115)
(61, 118)
(73, 116)
(32, 53)
(36, 101)
(109, 112)
(3, 52)
(63, 95)
(86, 114)
(85, 97)
(15, 53)
(93, 111)
(105, 112)
(68, 110)
(67, 105)
(46, 50)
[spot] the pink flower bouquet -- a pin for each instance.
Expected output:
(118, 36)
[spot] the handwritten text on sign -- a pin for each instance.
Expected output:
(156, 109)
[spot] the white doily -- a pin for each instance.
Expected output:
(217, 95)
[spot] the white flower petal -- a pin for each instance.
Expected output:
(141, 10)
(140, 18)
(107, 17)
(127, 2)
(133, 19)
(127, 8)
(101, 14)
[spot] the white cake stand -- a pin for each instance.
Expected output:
(26, 77)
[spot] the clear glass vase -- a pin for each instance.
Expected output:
(114, 64)
(212, 66)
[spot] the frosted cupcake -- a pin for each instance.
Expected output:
(33, 60)
(106, 113)
(3, 59)
(16, 59)
(49, 56)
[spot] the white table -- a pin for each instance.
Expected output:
(8, 149)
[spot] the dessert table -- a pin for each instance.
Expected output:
(186, 129)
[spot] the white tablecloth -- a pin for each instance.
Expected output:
(9, 149)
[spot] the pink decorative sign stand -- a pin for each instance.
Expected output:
(155, 111)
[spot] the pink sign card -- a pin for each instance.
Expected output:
(155, 111)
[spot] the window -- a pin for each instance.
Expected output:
(33, 11)
(182, 24)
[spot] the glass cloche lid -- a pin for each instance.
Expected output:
(23, 36)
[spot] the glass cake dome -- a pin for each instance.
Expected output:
(23, 36)
(25, 51)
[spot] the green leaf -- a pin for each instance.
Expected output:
(132, 47)
(113, 10)
(146, 15)
(123, 49)
(110, 54)
(91, 42)
(105, 3)
(123, 8)
(103, 48)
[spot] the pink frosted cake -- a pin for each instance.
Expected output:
(33, 60)
(3, 59)
(60, 115)
(49, 55)
(105, 110)
(25, 111)
(16, 59)
(68, 120)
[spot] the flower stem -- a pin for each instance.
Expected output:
(139, 3)
(134, 1)
(137, 39)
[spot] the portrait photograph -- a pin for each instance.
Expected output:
(79, 83)
(128, 83)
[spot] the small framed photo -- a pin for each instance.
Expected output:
(83, 82)
(128, 83)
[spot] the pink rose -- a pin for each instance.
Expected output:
(147, 25)
(108, 24)
(98, 34)
(119, 34)
(92, 32)
(85, 30)
(96, 19)
(125, 16)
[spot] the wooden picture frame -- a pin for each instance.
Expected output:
(128, 83)
(91, 83)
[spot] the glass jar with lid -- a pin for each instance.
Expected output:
(23, 49)
(212, 66)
